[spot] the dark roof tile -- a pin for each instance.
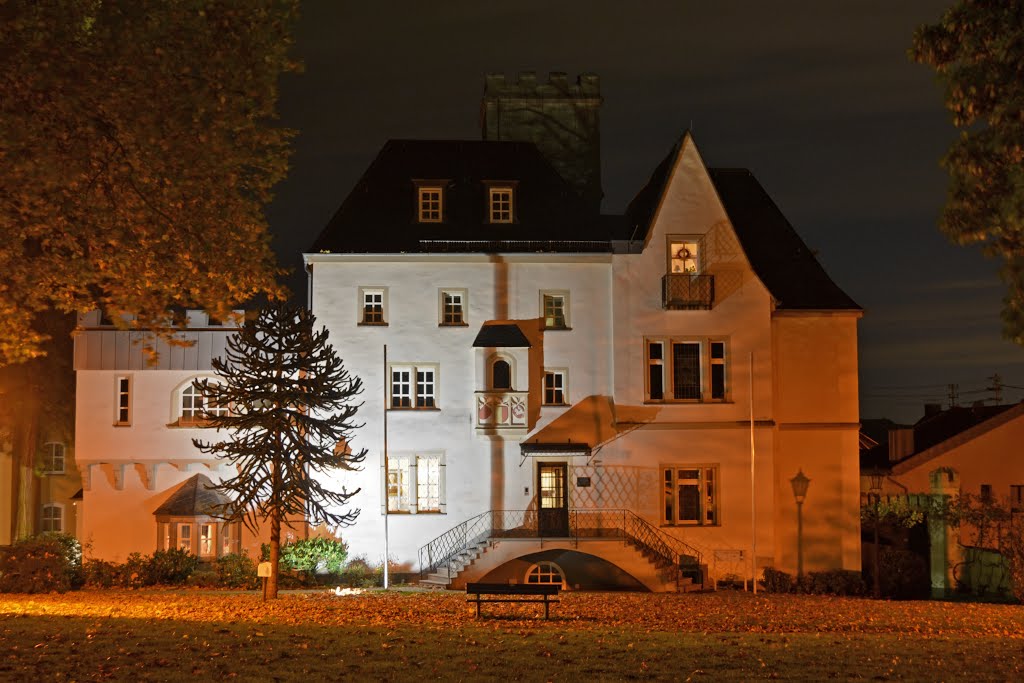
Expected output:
(195, 498)
(501, 335)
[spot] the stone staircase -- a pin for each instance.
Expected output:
(443, 579)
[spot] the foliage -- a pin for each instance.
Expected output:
(903, 574)
(139, 150)
(290, 423)
(172, 567)
(359, 573)
(401, 636)
(103, 574)
(895, 510)
(991, 524)
(315, 555)
(778, 581)
(164, 567)
(977, 50)
(236, 570)
(41, 564)
(831, 582)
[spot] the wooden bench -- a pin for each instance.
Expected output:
(513, 592)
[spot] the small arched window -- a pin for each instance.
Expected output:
(53, 517)
(547, 574)
(501, 375)
(194, 407)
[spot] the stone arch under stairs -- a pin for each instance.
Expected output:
(624, 557)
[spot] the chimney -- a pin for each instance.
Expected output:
(901, 443)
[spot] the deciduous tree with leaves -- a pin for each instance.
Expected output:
(289, 422)
(138, 151)
(977, 49)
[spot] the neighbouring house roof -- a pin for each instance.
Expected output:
(78, 495)
(501, 335)
(195, 498)
(379, 216)
(941, 432)
(776, 252)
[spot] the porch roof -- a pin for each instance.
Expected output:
(195, 498)
(586, 425)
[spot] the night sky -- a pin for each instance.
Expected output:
(817, 98)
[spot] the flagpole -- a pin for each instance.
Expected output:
(386, 502)
(753, 497)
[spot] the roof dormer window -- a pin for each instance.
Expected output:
(500, 204)
(429, 203)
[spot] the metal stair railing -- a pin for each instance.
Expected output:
(666, 549)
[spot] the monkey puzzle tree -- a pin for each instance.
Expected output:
(977, 49)
(289, 414)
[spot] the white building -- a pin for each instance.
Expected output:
(568, 396)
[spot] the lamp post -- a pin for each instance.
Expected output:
(874, 498)
(799, 484)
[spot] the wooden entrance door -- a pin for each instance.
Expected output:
(553, 499)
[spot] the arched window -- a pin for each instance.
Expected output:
(193, 407)
(501, 374)
(545, 573)
(52, 517)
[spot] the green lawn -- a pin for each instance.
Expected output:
(198, 635)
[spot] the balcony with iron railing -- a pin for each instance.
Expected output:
(501, 410)
(686, 291)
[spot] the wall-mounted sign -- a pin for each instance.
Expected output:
(583, 482)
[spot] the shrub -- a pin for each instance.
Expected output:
(359, 573)
(172, 567)
(315, 555)
(103, 574)
(776, 581)
(836, 582)
(135, 572)
(904, 574)
(42, 564)
(236, 570)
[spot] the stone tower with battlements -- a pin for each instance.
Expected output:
(561, 118)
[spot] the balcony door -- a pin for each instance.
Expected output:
(553, 499)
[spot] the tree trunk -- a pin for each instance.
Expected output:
(275, 553)
(24, 446)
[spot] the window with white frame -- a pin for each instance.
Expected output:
(555, 387)
(429, 203)
(52, 517)
(229, 538)
(124, 401)
(690, 495)
(207, 539)
(555, 310)
(53, 458)
(185, 537)
(453, 307)
(195, 409)
(686, 370)
(415, 483)
(414, 386)
(500, 202)
(373, 306)
(545, 573)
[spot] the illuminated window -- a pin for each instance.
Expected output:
(684, 255)
(500, 205)
(52, 518)
(686, 370)
(690, 495)
(545, 573)
(453, 307)
(207, 539)
(229, 538)
(555, 310)
(53, 458)
(414, 386)
(429, 204)
(185, 537)
(416, 483)
(124, 401)
(554, 387)
(373, 306)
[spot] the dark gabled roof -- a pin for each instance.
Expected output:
(937, 427)
(195, 498)
(379, 215)
(501, 335)
(777, 254)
